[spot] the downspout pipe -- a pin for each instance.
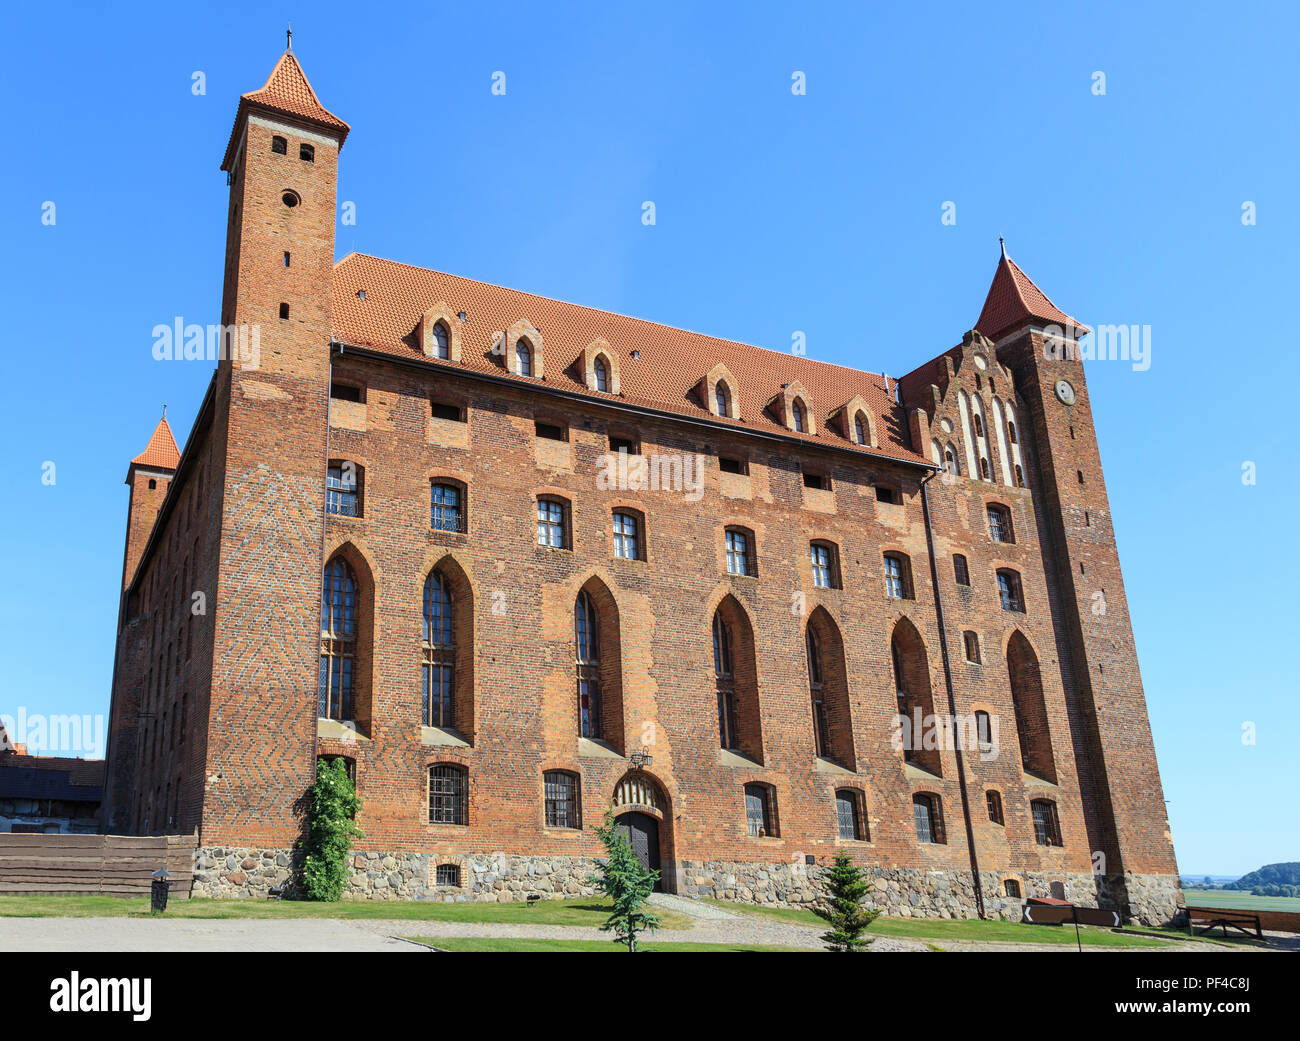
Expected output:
(952, 698)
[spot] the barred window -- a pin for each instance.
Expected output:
(848, 814)
(338, 637)
(1012, 888)
(561, 796)
(448, 875)
(1047, 829)
(627, 537)
(587, 652)
(759, 819)
(446, 509)
(343, 489)
(438, 653)
(550, 523)
(448, 794)
(928, 812)
(1000, 524)
(739, 561)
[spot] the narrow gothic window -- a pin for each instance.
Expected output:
(859, 429)
(523, 359)
(586, 642)
(821, 735)
(984, 468)
(338, 637)
(960, 570)
(601, 372)
(725, 681)
(439, 653)
(720, 398)
(797, 417)
(979, 425)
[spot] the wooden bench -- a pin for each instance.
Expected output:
(1242, 921)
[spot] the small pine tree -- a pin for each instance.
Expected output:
(334, 805)
(626, 883)
(846, 887)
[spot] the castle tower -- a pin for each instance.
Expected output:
(1122, 796)
(270, 426)
(149, 476)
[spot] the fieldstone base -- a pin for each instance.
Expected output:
(1146, 899)
(228, 873)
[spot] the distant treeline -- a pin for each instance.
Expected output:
(1270, 880)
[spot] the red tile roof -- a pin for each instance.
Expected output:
(1013, 299)
(670, 364)
(286, 93)
(161, 451)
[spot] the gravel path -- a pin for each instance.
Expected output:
(200, 934)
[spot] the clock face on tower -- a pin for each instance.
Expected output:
(1065, 392)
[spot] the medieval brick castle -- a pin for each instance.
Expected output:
(519, 562)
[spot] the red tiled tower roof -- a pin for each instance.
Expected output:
(1013, 299)
(161, 452)
(286, 93)
(663, 376)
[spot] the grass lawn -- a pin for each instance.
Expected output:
(581, 911)
(1234, 899)
(972, 930)
(476, 944)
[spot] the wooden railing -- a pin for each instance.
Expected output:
(118, 865)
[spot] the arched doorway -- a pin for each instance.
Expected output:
(642, 816)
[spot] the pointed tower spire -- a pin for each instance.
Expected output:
(1013, 300)
(161, 452)
(286, 94)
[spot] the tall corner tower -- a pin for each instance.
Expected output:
(271, 428)
(1123, 799)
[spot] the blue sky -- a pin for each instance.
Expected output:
(775, 213)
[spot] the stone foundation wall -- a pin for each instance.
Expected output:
(225, 873)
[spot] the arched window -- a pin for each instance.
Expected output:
(438, 653)
(927, 809)
(441, 341)
(725, 681)
(821, 736)
(950, 461)
(960, 569)
(915, 702)
(338, 639)
(972, 642)
(860, 430)
(983, 728)
(797, 417)
(993, 802)
(1012, 888)
(601, 373)
(722, 398)
(849, 816)
(307, 153)
(446, 508)
(523, 358)
(448, 794)
(1011, 432)
(984, 463)
(561, 794)
(279, 145)
(979, 425)
(1047, 828)
(587, 653)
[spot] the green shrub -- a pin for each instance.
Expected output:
(334, 806)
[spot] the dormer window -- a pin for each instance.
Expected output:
(600, 373)
(441, 341)
(859, 430)
(798, 419)
(523, 359)
(720, 398)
